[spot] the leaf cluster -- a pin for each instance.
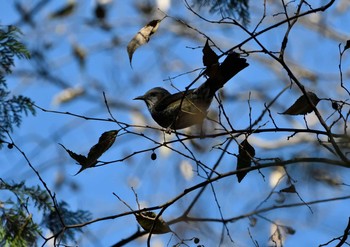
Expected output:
(57, 220)
(11, 107)
(17, 226)
(9, 48)
(236, 8)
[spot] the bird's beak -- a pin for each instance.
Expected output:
(142, 97)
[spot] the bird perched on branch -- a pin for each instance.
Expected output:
(187, 108)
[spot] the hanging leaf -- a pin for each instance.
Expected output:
(209, 56)
(210, 60)
(81, 159)
(105, 141)
(347, 45)
(302, 106)
(242, 163)
(142, 37)
(148, 219)
(290, 189)
(245, 154)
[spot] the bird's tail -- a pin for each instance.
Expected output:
(232, 64)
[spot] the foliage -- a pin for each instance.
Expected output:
(233, 8)
(18, 227)
(279, 127)
(11, 107)
(53, 221)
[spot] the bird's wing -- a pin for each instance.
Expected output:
(171, 99)
(232, 64)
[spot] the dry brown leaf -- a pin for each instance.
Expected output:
(209, 56)
(142, 37)
(245, 154)
(148, 219)
(347, 45)
(105, 141)
(301, 106)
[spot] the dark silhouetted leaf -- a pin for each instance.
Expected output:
(242, 163)
(105, 141)
(209, 56)
(290, 189)
(347, 45)
(302, 106)
(147, 219)
(246, 150)
(245, 154)
(142, 37)
(81, 159)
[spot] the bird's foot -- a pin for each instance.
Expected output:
(168, 130)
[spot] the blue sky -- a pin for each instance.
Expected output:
(168, 55)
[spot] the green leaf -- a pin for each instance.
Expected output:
(52, 220)
(236, 8)
(17, 226)
(11, 109)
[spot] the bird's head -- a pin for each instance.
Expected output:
(153, 96)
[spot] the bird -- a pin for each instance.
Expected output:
(189, 107)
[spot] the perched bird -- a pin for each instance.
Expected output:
(187, 108)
